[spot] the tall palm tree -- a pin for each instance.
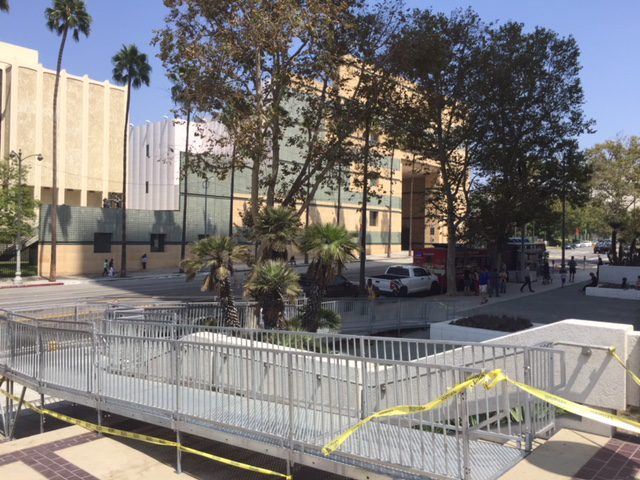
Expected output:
(4, 5)
(63, 17)
(330, 247)
(130, 68)
(181, 96)
(272, 283)
(275, 229)
(217, 255)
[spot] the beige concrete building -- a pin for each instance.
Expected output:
(91, 115)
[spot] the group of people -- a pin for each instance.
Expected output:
(109, 269)
(484, 282)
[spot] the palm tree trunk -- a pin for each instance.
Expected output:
(231, 318)
(365, 200)
(312, 309)
(123, 258)
(54, 177)
(183, 240)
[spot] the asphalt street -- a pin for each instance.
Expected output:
(162, 287)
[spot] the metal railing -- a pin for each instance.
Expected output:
(294, 391)
(357, 316)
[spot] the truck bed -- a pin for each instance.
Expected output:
(388, 277)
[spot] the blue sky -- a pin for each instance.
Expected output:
(606, 32)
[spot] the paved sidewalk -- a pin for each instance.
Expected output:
(396, 258)
(577, 455)
(72, 453)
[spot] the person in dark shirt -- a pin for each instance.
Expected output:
(572, 270)
(494, 283)
(592, 283)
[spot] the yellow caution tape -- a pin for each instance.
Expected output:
(471, 382)
(614, 354)
(143, 438)
(489, 380)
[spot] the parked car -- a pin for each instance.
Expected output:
(340, 287)
(602, 246)
(403, 280)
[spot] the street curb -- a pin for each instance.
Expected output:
(49, 284)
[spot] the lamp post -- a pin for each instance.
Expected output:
(18, 156)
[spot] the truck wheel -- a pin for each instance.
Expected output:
(435, 288)
(404, 291)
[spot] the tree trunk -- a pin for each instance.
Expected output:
(613, 254)
(123, 257)
(231, 318)
(183, 240)
(312, 309)
(272, 311)
(365, 199)
(257, 160)
(452, 239)
(54, 177)
(275, 161)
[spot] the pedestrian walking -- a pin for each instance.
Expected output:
(371, 291)
(572, 270)
(546, 273)
(105, 268)
(494, 283)
(466, 280)
(483, 284)
(527, 279)
(563, 274)
(600, 263)
(475, 279)
(112, 268)
(504, 278)
(143, 260)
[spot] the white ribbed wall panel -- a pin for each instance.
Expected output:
(161, 168)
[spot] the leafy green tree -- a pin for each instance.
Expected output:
(272, 284)
(275, 230)
(130, 68)
(63, 17)
(248, 57)
(330, 248)
(369, 75)
(439, 55)
(616, 182)
(217, 255)
(526, 111)
(17, 206)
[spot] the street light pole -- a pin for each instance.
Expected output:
(18, 156)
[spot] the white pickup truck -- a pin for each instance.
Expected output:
(403, 280)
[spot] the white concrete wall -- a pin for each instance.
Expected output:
(614, 274)
(630, 294)
(633, 362)
(596, 379)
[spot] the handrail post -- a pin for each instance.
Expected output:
(528, 441)
(466, 460)
(290, 388)
(362, 378)
(176, 357)
(96, 387)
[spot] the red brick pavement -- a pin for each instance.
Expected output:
(47, 463)
(619, 459)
